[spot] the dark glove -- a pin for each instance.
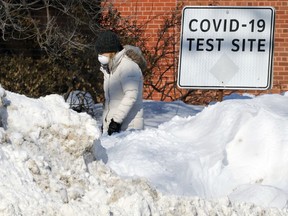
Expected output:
(114, 127)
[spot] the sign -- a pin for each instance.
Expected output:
(226, 48)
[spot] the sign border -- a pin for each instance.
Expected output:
(269, 84)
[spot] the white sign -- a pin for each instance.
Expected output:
(226, 48)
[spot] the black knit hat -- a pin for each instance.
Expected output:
(108, 41)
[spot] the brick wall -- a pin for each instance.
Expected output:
(154, 11)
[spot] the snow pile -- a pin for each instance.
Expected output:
(237, 148)
(41, 155)
(47, 168)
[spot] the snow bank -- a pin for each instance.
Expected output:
(46, 166)
(236, 148)
(42, 154)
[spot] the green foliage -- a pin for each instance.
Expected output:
(47, 47)
(39, 77)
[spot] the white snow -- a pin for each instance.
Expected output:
(229, 158)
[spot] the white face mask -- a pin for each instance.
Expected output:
(103, 59)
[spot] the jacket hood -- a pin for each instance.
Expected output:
(135, 54)
(132, 52)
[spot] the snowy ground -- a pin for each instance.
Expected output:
(229, 158)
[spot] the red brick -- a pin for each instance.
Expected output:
(156, 9)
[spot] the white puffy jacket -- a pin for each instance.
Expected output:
(123, 88)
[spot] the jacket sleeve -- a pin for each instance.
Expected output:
(130, 84)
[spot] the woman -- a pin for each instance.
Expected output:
(123, 83)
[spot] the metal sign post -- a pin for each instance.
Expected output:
(226, 48)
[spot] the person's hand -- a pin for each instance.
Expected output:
(114, 127)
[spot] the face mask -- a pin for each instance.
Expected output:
(103, 59)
